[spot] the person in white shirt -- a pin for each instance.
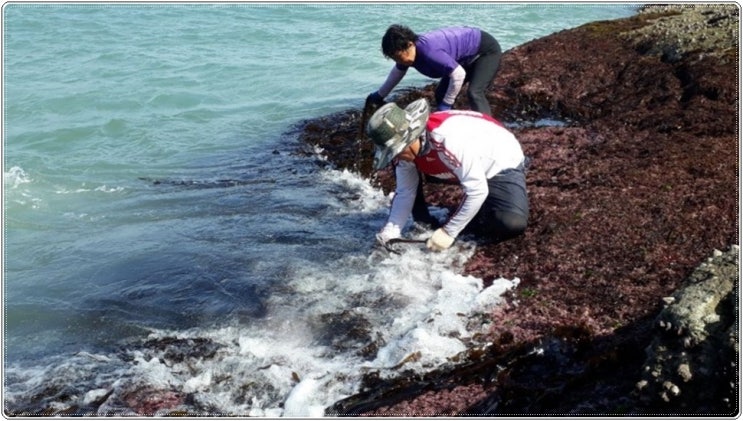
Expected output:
(464, 147)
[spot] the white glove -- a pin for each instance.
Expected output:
(388, 233)
(440, 240)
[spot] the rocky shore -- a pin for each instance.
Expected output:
(629, 269)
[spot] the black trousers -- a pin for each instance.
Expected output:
(480, 73)
(503, 215)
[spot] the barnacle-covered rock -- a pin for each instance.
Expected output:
(692, 360)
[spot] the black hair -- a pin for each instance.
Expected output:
(396, 39)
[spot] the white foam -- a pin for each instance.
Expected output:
(85, 189)
(14, 177)
(300, 402)
(94, 395)
(199, 383)
(13, 180)
(435, 321)
(364, 198)
(154, 371)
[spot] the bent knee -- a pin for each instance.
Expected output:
(512, 224)
(500, 226)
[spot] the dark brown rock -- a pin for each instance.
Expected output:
(626, 200)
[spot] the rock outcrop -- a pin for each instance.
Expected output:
(633, 183)
(693, 357)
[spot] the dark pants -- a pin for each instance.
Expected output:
(480, 73)
(503, 216)
(505, 213)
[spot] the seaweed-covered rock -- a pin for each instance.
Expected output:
(633, 190)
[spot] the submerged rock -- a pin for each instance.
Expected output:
(346, 330)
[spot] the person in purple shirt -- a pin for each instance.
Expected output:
(456, 55)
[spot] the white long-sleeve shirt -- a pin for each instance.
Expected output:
(464, 147)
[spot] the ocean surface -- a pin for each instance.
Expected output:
(163, 247)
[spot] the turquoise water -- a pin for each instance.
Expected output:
(150, 191)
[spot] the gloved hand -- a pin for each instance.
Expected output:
(375, 99)
(443, 107)
(384, 236)
(439, 241)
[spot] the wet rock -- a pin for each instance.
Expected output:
(691, 363)
(176, 350)
(148, 401)
(676, 30)
(627, 198)
(345, 330)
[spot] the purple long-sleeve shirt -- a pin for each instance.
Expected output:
(438, 54)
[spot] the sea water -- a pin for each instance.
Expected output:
(161, 239)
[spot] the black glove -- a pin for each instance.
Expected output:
(375, 99)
